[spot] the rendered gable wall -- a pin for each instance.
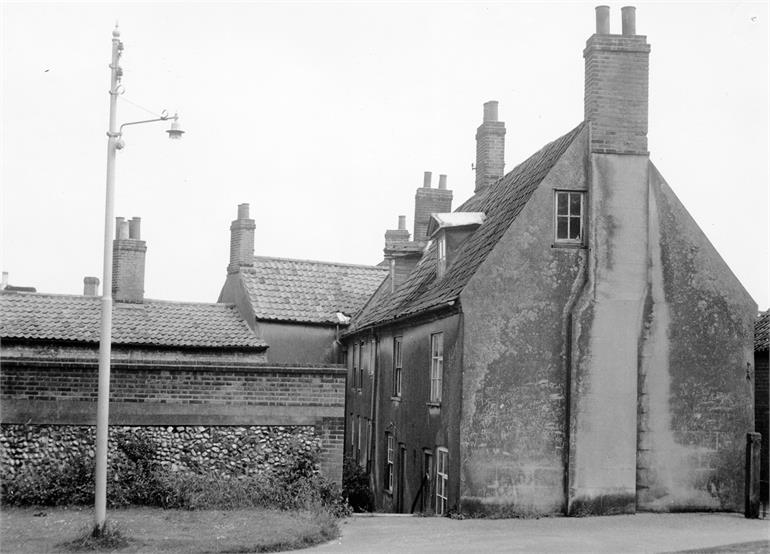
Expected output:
(514, 376)
(695, 402)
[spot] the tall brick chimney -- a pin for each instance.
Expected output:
(490, 148)
(128, 261)
(241, 240)
(427, 201)
(401, 254)
(616, 85)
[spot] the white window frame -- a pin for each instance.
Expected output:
(398, 344)
(441, 255)
(391, 447)
(362, 357)
(436, 366)
(355, 365)
(442, 479)
(569, 216)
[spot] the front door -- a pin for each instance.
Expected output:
(401, 479)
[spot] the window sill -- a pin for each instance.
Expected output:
(578, 245)
(433, 407)
(395, 399)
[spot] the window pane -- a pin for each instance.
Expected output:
(561, 227)
(561, 203)
(574, 204)
(574, 228)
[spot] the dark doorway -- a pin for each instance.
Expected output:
(426, 480)
(401, 478)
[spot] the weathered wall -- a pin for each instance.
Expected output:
(695, 401)
(514, 382)
(606, 328)
(298, 343)
(63, 391)
(414, 423)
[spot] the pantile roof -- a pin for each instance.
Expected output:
(501, 202)
(762, 332)
(282, 289)
(153, 322)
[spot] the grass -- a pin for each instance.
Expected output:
(42, 530)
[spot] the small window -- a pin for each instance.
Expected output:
(397, 366)
(436, 366)
(569, 216)
(441, 255)
(442, 478)
(362, 358)
(389, 463)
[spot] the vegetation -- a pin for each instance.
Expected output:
(355, 486)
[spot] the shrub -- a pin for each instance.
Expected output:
(355, 486)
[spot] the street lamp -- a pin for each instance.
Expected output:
(114, 143)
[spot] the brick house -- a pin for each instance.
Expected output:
(762, 399)
(567, 340)
(297, 306)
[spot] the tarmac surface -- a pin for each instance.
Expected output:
(698, 532)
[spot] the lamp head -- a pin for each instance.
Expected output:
(175, 132)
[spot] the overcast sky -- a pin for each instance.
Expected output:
(323, 116)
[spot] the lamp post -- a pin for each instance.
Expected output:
(114, 143)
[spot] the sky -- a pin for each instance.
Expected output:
(323, 117)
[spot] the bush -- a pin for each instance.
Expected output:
(135, 478)
(355, 486)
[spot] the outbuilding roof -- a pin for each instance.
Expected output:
(501, 202)
(62, 317)
(282, 289)
(762, 332)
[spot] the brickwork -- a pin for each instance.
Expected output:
(490, 153)
(241, 240)
(128, 270)
(426, 202)
(616, 93)
(168, 393)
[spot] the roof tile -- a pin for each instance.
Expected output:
(153, 322)
(283, 289)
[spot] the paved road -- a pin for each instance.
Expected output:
(611, 534)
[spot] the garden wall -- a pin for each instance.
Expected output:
(232, 417)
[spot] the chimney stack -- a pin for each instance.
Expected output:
(397, 236)
(127, 261)
(241, 240)
(5, 281)
(428, 201)
(490, 148)
(616, 86)
(90, 286)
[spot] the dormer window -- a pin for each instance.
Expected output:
(441, 255)
(569, 220)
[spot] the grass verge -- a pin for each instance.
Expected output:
(26, 530)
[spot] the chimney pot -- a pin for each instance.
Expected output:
(243, 211)
(134, 228)
(90, 286)
(121, 228)
(490, 110)
(603, 20)
(426, 178)
(442, 182)
(5, 280)
(402, 223)
(629, 20)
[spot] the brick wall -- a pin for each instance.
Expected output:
(164, 393)
(616, 93)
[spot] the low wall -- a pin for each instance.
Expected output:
(210, 409)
